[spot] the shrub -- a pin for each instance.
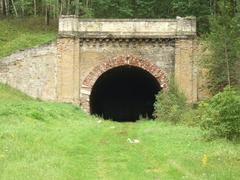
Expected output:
(170, 104)
(221, 117)
(191, 116)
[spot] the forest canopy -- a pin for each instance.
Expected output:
(202, 9)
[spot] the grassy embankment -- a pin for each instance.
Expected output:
(16, 34)
(43, 140)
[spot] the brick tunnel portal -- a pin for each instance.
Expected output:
(124, 94)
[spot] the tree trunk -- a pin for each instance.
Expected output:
(56, 8)
(6, 7)
(42, 8)
(227, 62)
(1, 7)
(61, 8)
(22, 7)
(35, 7)
(14, 8)
(87, 4)
(47, 17)
(53, 11)
(68, 7)
(213, 7)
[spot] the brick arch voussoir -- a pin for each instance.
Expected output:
(98, 70)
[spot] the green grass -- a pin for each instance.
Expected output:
(21, 33)
(43, 140)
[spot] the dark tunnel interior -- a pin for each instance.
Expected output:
(124, 94)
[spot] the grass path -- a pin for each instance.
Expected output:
(42, 140)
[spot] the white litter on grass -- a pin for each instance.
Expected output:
(133, 141)
(100, 121)
(112, 127)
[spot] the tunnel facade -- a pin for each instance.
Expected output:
(71, 69)
(96, 55)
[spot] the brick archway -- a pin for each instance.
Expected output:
(98, 70)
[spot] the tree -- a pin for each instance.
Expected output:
(224, 44)
(14, 8)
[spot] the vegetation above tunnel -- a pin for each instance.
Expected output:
(22, 33)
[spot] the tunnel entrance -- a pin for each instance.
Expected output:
(124, 94)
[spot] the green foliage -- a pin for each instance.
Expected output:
(23, 33)
(191, 116)
(170, 104)
(221, 115)
(223, 42)
(112, 9)
(154, 9)
(201, 9)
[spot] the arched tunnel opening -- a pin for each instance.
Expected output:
(124, 94)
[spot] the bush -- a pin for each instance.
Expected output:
(191, 117)
(170, 104)
(221, 117)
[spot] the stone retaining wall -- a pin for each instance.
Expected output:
(33, 71)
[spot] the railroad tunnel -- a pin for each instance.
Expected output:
(124, 94)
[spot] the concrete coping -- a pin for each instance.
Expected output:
(126, 19)
(127, 28)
